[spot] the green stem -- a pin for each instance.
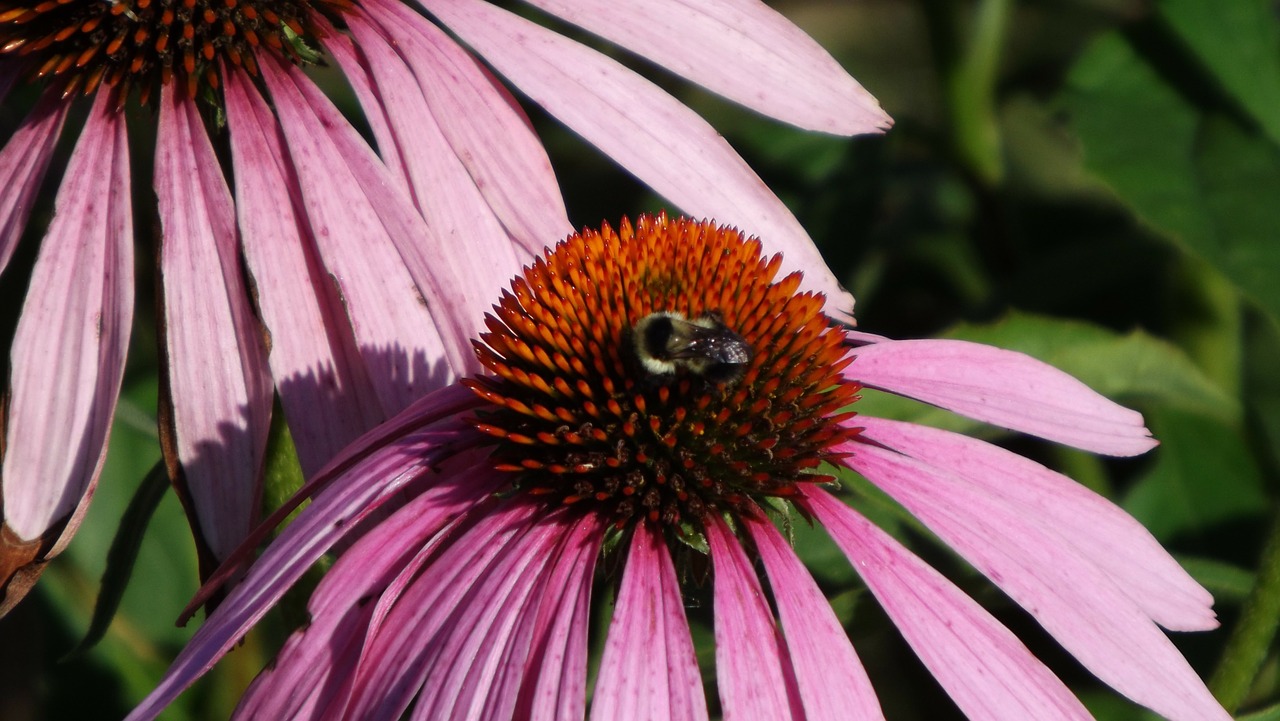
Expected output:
(970, 75)
(1246, 649)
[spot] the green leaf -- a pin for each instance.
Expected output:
(1204, 477)
(1239, 43)
(1189, 173)
(124, 553)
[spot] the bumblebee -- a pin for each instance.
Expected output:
(667, 342)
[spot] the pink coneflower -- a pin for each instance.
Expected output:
(654, 402)
(360, 265)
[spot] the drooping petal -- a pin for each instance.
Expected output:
(648, 669)
(484, 125)
(648, 132)
(981, 665)
(221, 401)
(440, 185)
(1097, 528)
(324, 389)
(23, 163)
(1005, 388)
(68, 352)
(753, 666)
(742, 49)
(1072, 598)
(310, 672)
(466, 659)
(469, 572)
(355, 213)
(357, 487)
(831, 680)
(553, 684)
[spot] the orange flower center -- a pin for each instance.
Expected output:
(659, 372)
(127, 44)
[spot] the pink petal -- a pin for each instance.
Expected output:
(486, 129)
(742, 49)
(355, 214)
(648, 132)
(1005, 388)
(1082, 607)
(831, 680)
(752, 664)
(23, 163)
(221, 401)
(442, 188)
(466, 658)
(983, 667)
(363, 485)
(78, 312)
(649, 670)
(438, 602)
(324, 389)
(553, 684)
(1095, 527)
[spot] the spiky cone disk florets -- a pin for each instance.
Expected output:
(580, 418)
(126, 44)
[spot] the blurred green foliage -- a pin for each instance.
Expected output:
(1093, 182)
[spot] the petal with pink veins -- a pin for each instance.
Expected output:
(324, 388)
(1098, 529)
(466, 573)
(356, 210)
(983, 667)
(741, 49)
(221, 402)
(364, 484)
(465, 662)
(67, 359)
(1072, 598)
(553, 682)
(645, 130)
(485, 127)
(1004, 388)
(648, 669)
(23, 163)
(753, 666)
(832, 682)
(442, 189)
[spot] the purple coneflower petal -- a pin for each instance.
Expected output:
(742, 49)
(1097, 528)
(553, 683)
(1004, 388)
(437, 603)
(753, 667)
(221, 402)
(983, 667)
(1072, 598)
(485, 127)
(440, 185)
(324, 388)
(648, 132)
(832, 682)
(355, 211)
(648, 669)
(406, 452)
(67, 358)
(23, 163)
(465, 666)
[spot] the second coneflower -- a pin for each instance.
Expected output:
(661, 395)
(363, 289)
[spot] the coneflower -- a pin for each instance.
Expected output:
(367, 271)
(655, 401)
